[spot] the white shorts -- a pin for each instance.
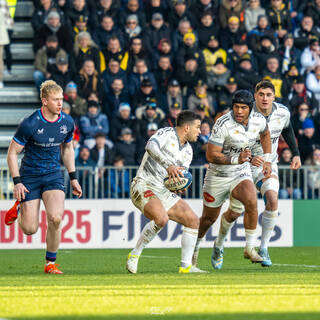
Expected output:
(258, 175)
(216, 190)
(142, 192)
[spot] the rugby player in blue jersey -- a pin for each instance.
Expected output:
(45, 136)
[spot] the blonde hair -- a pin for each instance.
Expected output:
(49, 87)
(82, 34)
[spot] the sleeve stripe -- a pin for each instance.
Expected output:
(69, 140)
(18, 141)
(155, 141)
(216, 143)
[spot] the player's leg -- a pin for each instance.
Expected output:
(183, 214)
(54, 204)
(269, 189)
(245, 192)
(29, 216)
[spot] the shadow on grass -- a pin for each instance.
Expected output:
(158, 313)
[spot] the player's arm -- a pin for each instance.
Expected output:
(67, 154)
(265, 140)
(290, 139)
(12, 160)
(214, 155)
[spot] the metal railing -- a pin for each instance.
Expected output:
(114, 183)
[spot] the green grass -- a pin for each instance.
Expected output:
(96, 286)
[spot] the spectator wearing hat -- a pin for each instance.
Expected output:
(41, 12)
(143, 95)
(89, 80)
(265, 50)
(232, 33)
(103, 33)
(131, 29)
(45, 60)
(155, 32)
(112, 72)
(126, 147)
(81, 24)
(310, 56)
(202, 111)
(262, 29)
(301, 113)
(313, 84)
(280, 19)
(86, 49)
(78, 105)
(291, 74)
(202, 7)
(164, 48)
(180, 12)
(155, 6)
(218, 75)
(112, 100)
(223, 108)
(53, 26)
(93, 122)
(207, 29)
(132, 7)
(140, 72)
(231, 8)
(172, 95)
(313, 10)
(163, 73)
(124, 119)
(225, 93)
(251, 14)
(137, 51)
(308, 140)
(306, 30)
(116, 52)
(300, 94)
(107, 8)
(190, 48)
(150, 130)
(272, 73)
(62, 75)
(178, 34)
(171, 117)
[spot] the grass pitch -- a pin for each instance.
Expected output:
(96, 286)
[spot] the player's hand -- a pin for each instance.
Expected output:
(181, 192)
(19, 191)
(76, 188)
(175, 172)
(267, 170)
(245, 156)
(295, 163)
(257, 161)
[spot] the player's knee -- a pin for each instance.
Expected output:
(193, 221)
(29, 230)
(251, 204)
(208, 220)
(55, 220)
(161, 221)
(232, 216)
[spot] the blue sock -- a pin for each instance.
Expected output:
(51, 256)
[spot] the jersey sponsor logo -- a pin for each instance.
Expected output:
(208, 197)
(51, 139)
(40, 131)
(63, 129)
(148, 194)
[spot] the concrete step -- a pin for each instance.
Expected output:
(23, 73)
(22, 51)
(5, 138)
(22, 30)
(24, 9)
(12, 116)
(19, 95)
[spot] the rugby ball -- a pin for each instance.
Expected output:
(176, 185)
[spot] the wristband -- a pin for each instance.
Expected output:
(16, 180)
(73, 175)
(234, 160)
(267, 157)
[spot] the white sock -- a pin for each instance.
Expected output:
(269, 219)
(225, 226)
(148, 233)
(198, 243)
(188, 242)
(251, 236)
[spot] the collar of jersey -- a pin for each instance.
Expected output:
(241, 124)
(48, 121)
(274, 107)
(180, 146)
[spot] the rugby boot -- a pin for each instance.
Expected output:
(191, 269)
(52, 268)
(132, 262)
(266, 258)
(252, 254)
(217, 258)
(12, 214)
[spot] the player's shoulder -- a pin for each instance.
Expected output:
(67, 118)
(257, 115)
(282, 109)
(224, 120)
(30, 121)
(166, 131)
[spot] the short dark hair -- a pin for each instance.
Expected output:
(100, 135)
(186, 116)
(264, 84)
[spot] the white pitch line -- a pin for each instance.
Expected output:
(295, 265)
(155, 257)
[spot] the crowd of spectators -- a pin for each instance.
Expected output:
(129, 67)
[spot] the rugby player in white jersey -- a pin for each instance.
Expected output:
(229, 173)
(278, 119)
(167, 153)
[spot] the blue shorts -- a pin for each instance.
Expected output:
(39, 184)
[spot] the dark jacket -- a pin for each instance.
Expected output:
(108, 155)
(128, 151)
(152, 37)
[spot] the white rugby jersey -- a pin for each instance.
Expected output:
(234, 137)
(163, 146)
(277, 120)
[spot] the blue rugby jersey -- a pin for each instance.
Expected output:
(41, 140)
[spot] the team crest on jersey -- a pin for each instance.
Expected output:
(63, 129)
(51, 139)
